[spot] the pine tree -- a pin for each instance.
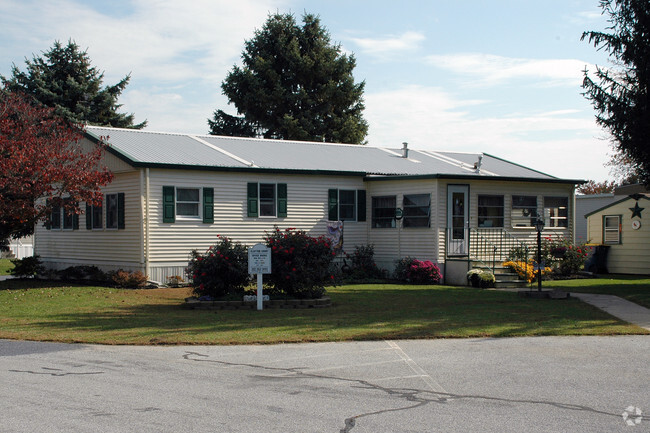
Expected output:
(295, 85)
(620, 93)
(64, 79)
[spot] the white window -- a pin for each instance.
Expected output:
(267, 200)
(490, 211)
(188, 202)
(383, 212)
(347, 205)
(417, 208)
(612, 229)
(524, 210)
(96, 213)
(556, 212)
(111, 211)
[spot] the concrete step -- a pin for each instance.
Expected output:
(510, 284)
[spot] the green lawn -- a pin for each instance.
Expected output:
(634, 288)
(48, 311)
(5, 266)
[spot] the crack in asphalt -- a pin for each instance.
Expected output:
(55, 372)
(418, 396)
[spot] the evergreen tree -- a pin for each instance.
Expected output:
(620, 93)
(64, 79)
(294, 85)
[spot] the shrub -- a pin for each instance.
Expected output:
(481, 278)
(300, 264)
(487, 280)
(417, 272)
(82, 273)
(221, 271)
(129, 280)
(363, 263)
(526, 270)
(27, 267)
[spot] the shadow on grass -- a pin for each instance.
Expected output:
(358, 313)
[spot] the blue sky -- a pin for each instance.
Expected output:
(500, 77)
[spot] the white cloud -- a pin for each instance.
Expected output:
(491, 70)
(560, 143)
(389, 46)
(161, 40)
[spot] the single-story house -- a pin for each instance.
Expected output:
(175, 192)
(621, 228)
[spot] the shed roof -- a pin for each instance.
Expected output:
(150, 149)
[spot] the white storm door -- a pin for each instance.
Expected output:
(457, 220)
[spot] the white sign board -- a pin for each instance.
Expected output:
(259, 259)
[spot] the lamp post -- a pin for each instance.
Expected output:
(539, 226)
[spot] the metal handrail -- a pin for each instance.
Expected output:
(483, 247)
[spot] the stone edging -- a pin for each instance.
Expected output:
(195, 304)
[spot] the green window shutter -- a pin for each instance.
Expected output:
(252, 199)
(361, 205)
(89, 217)
(169, 204)
(282, 200)
(333, 205)
(120, 210)
(208, 205)
(75, 221)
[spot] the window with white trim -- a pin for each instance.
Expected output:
(417, 209)
(556, 212)
(524, 210)
(612, 229)
(383, 212)
(188, 202)
(96, 217)
(490, 211)
(111, 211)
(268, 205)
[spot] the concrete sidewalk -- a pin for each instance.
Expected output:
(618, 307)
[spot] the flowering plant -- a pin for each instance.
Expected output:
(526, 270)
(417, 271)
(300, 264)
(222, 270)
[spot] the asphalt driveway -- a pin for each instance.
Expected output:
(543, 384)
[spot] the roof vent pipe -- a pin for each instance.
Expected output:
(477, 165)
(405, 150)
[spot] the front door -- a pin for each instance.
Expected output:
(457, 220)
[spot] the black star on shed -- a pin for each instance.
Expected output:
(636, 210)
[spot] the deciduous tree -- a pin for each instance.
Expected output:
(593, 187)
(620, 93)
(64, 79)
(40, 157)
(294, 84)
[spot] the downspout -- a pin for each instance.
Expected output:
(142, 223)
(146, 222)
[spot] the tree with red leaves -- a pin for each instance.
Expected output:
(41, 158)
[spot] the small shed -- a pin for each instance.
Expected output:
(620, 226)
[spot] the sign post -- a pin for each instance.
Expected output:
(259, 262)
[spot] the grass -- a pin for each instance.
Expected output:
(35, 310)
(5, 266)
(634, 288)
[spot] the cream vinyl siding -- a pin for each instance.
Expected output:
(632, 255)
(112, 162)
(391, 244)
(307, 200)
(111, 247)
(507, 190)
